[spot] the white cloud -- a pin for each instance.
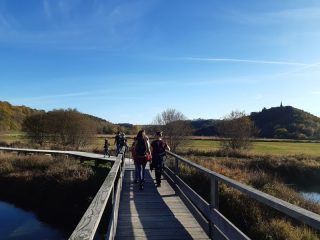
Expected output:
(244, 61)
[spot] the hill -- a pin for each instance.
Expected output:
(276, 122)
(205, 127)
(12, 117)
(286, 122)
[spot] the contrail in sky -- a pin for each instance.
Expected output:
(244, 61)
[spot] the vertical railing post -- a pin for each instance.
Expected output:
(214, 204)
(112, 214)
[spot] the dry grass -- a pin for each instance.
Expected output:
(60, 169)
(263, 173)
(58, 189)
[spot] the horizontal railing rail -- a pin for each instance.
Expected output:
(110, 189)
(108, 192)
(217, 222)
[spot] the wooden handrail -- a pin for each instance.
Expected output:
(86, 228)
(302, 215)
(71, 153)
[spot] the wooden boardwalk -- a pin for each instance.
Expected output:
(153, 213)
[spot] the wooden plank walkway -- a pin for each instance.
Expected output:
(153, 213)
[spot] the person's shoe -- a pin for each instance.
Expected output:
(136, 181)
(141, 187)
(158, 184)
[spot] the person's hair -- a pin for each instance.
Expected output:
(159, 134)
(141, 134)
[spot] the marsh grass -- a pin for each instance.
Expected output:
(57, 189)
(266, 174)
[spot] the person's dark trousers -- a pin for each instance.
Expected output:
(118, 149)
(159, 166)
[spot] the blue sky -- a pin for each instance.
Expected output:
(126, 61)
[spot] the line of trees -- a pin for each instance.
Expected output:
(67, 128)
(236, 129)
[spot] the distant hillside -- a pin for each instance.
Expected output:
(204, 127)
(11, 117)
(103, 126)
(276, 122)
(286, 122)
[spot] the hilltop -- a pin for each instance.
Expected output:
(11, 117)
(276, 122)
(286, 122)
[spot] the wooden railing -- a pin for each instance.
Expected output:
(214, 223)
(207, 213)
(109, 192)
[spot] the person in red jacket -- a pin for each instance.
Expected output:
(142, 151)
(158, 152)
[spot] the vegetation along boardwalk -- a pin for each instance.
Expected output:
(153, 213)
(161, 213)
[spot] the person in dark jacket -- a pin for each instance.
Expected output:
(142, 150)
(158, 152)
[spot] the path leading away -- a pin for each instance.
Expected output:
(153, 213)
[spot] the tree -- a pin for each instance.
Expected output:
(281, 133)
(174, 125)
(36, 127)
(236, 128)
(71, 128)
(62, 127)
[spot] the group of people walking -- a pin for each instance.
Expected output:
(142, 153)
(120, 140)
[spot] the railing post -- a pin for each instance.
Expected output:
(214, 204)
(111, 235)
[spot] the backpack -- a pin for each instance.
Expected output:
(158, 148)
(141, 148)
(122, 140)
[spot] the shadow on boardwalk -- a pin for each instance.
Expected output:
(154, 213)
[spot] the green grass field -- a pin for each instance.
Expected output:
(259, 147)
(268, 146)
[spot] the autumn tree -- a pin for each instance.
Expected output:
(236, 128)
(61, 127)
(36, 127)
(174, 125)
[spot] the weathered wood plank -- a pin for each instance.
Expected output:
(226, 227)
(88, 224)
(154, 213)
(195, 210)
(186, 233)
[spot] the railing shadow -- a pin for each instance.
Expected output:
(145, 214)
